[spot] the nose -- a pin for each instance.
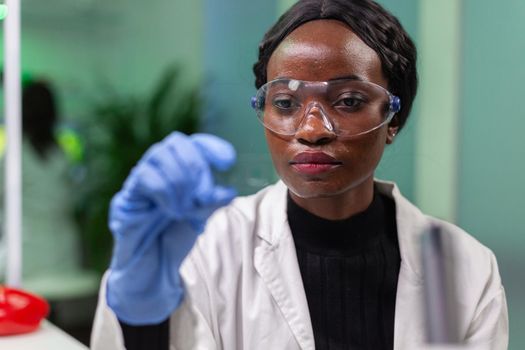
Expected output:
(315, 127)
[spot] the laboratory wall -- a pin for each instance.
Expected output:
(233, 30)
(398, 163)
(491, 169)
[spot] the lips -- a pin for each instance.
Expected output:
(314, 158)
(312, 163)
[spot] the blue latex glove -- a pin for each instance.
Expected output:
(155, 220)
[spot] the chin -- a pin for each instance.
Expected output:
(314, 188)
(326, 188)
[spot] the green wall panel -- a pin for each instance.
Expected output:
(398, 161)
(233, 30)
(492, 167)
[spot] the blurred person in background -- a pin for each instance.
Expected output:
(51, 250)
(327, 258)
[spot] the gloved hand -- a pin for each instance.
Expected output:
(155, 220)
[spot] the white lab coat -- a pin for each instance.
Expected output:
(244, 289)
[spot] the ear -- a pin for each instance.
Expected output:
(393, 128)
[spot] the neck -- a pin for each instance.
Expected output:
(340, 206)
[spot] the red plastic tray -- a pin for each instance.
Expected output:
(20, 311)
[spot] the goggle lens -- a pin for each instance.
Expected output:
(353, 107)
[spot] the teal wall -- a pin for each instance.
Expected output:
(491, 198)
(233, 30)
(397, 163)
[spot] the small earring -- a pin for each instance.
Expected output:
(394, 134)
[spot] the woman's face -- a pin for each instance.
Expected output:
(315, 163)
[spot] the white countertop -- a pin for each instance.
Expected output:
(46, 337)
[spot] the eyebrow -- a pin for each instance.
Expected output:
(348, 77)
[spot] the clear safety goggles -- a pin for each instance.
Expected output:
(347, 107)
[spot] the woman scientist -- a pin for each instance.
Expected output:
(327, 258)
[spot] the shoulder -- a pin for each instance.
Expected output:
(474, 262)
(479, 293)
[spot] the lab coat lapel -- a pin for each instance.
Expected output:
(409, 325)
(275, 259)
(279, 270)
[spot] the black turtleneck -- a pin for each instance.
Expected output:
(349, 269)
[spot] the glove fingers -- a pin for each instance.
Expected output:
(152, 181)
(219, 153)
(180, 152)
(184, 163)
(195, 154)
(176, 175)
(196, 171)
(171, 171)
(218, 197)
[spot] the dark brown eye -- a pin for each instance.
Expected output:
(284, 103)
(350, 102)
